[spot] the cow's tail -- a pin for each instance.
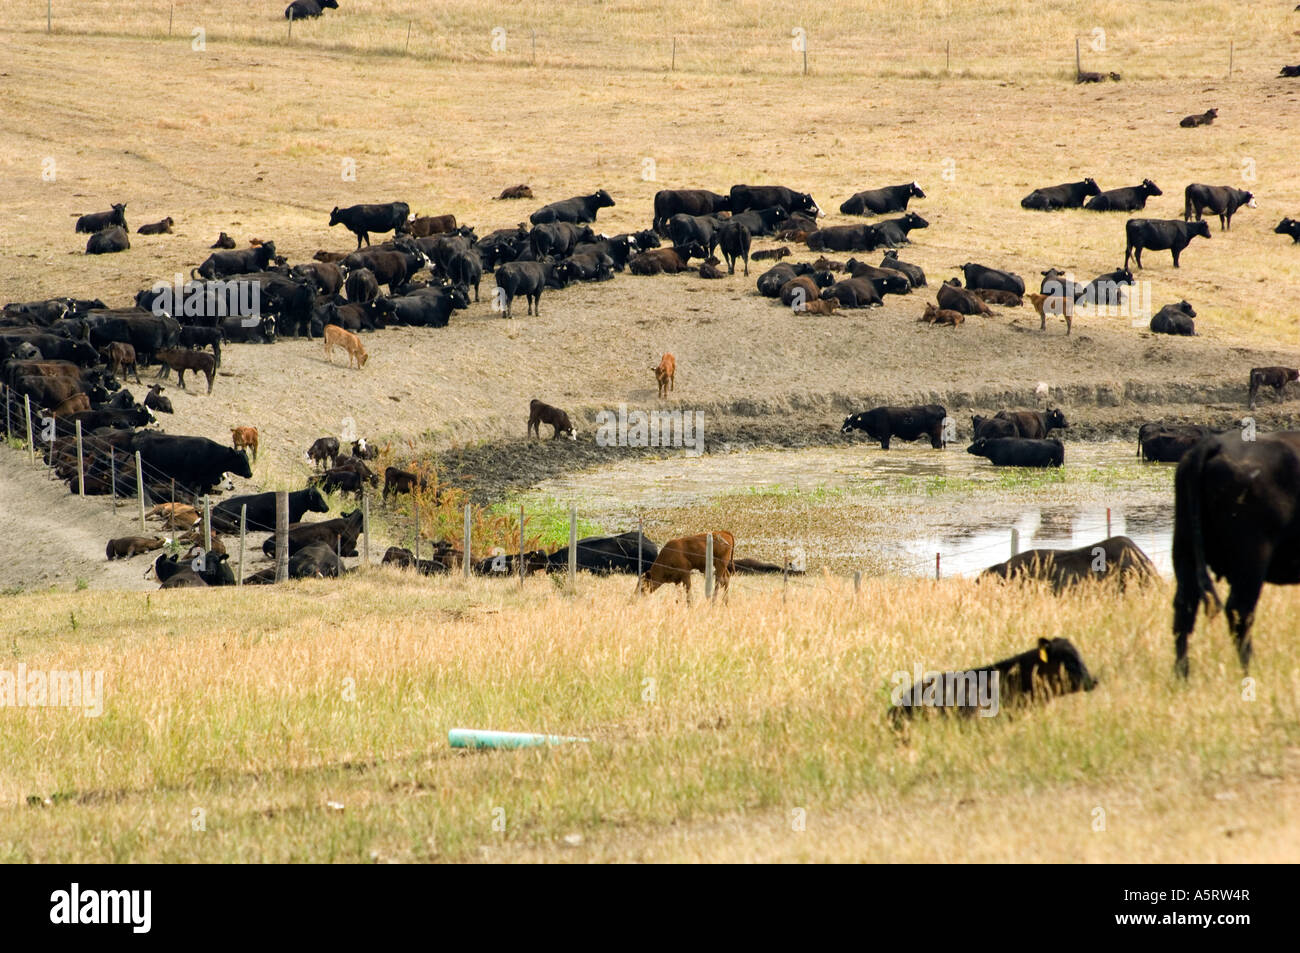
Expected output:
(1187, 205)
(194, 274)
(1191, 574)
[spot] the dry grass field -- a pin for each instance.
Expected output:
(231, 703)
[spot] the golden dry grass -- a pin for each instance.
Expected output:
(717, 721)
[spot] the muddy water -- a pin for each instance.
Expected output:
(859, 507)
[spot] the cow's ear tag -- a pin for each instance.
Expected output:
(1042, 654)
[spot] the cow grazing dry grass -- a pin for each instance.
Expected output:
(335, 336)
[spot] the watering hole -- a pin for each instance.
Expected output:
(860, 508)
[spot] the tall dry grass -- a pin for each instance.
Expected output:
(262, 713)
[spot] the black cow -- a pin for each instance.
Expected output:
(845, 238)
(1104, 289)
(444, 558)
(1174, 319)
(340, 535)
(558, 238)
(527, 278)
(914, 273)
(360, 285)
(424, 307)
(1034, 424)
(1054, 668)
(1222, 200)
(893, 231)
(220, 264)
(361, 220)
(53, 347)
(684, 229)
(1018, 452)
(1068, 195)
(854, 293)
(1132, 198)
(1289, 226)
(303, 9)
(906, 423)
(994, 279)
(390, 267)
(762, 221)
(891, 198)
(992, 427)
(465, 269)
(746, 197)
(195, 463)
(177, 571)
(886, 280)
(198, 337)
(342, 479)
(585, 266)
(773, 280)
(670, 202)
(154, 400)
(108, 241)
(98, 221)
(579, 209)
(315, 561)
(239, 331)
(323, 450)
(1236, 515)
(603, 555)
(1274, 377)
(261, 510)
(1290, 71)
(1160, 234)
(1116, 558)
(1169, 443)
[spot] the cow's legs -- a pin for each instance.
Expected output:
(1127, 250)
(1241, 615)
(1175, 252)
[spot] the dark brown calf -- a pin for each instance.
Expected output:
(426, 225)
(540, 413)
(1274, 377)
(679, 557)
(120, 356)
(124, 547)
(182, 359)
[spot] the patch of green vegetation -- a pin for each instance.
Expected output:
(547, 518)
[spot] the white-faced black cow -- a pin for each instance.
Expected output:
(1175, 319)
(1068, 195)
(670, 202)
(1132, 198)
(905, 423)
(1160, 234)
(1222, 200)
(361, 220)
(747, 197)
(1236, 514)
(579, 209)
(97, 221)
(1018, 452)
(891, 198)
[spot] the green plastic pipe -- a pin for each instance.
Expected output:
(477, 738)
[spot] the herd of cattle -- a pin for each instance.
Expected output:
(66, 355)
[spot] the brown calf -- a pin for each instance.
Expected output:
(182, 359)
(72, 405)
(243, 437)
(1201, 119)
(679, 557)
(941, 316)
(516, 192)
(665, 373)
(124, 547)
(120, 356)
(1008, 299)
(426, 225)
(335, 336)
(1061, 305)
(821, 306)
(540, 413)
(1274, 377)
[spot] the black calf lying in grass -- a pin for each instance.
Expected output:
(1055, 667)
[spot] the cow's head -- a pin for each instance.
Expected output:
(118, 209)
(602, 199)
(1201, 228)
(804, 203)
(1149, 188)
(692, 250)
(1090, 187)
(914, 191)
(1186, 309)
(1058, 663)
(854, 422)
(823, 279)
(334, 218)
(1055, 418)
(646, 239)
(912, 220)
(459, 297)
(979, 447)
(1288, 226)
(331, 4)
(239, 464)
(1250, 200)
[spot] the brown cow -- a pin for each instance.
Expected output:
(182, 359)
(120, 356)
(124, 547)
(774, 254)
(163, 227)
(665, 373)
(516, 192)
(1274, 377)
(540, 413)
(821, 306)
(1201, 119)
(1061, 305)
(941, 316)
(72, 405)
(426, 225)
(1008, 299)
(679, 557)
(954, 297)
(243, 437)
(335, 336)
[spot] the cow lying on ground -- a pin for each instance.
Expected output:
(223, 241)
(1007, 299)
(1133, 198)
(520, 191)
(1160, 234)
(154, 400)
(1222, 200)
(953, 297)
(540, 413)
(914, 273)
(664, 374)
(941, 316)
(1236, 515)
(905, 423)
(993, 279)
(679, 557)
(1068, 195)
(1085, 76)
(163, 227)
(1200, 119)
(883, 201)
(108, 241)
(1116, 558)
(98, 221)
(1274, 377)
(223, 264)
(444, 558)
(177, 571)
(665, 261)
(1018, 452)
(339, 534)
(182, 359)
(1161, 443)
(579, 209)
(1289, 226)
(124, 547)
(628, 552)
(1174, 319)
(1054, 668)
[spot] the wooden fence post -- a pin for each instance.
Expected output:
(281, 536)
(573, 549)
(1015, 541)
(365, 526)
(31, 438)
(139, 487)
(207, 524)
(81, 463)
(466, 559)
(521, 544)
(243, 525)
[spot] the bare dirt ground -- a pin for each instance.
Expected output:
(250, 140)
